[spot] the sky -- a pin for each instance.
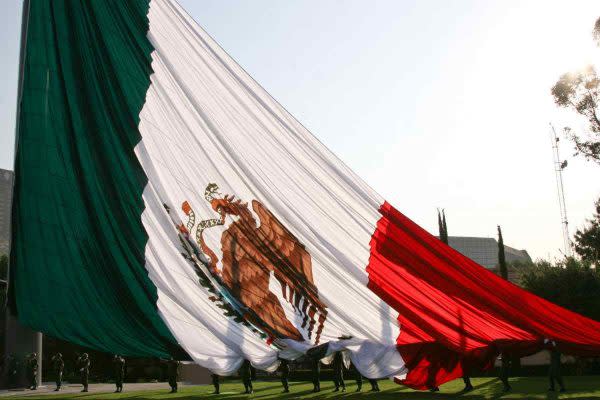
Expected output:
(436, 104)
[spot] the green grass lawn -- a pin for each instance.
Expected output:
(485, 388)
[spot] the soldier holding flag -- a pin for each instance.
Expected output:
(83, 362)
(59, 366)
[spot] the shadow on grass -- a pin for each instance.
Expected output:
(485, 388)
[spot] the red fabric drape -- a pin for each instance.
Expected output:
(454, 314)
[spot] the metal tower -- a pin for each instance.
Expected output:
(558, 168)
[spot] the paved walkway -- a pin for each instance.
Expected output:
(48, 388)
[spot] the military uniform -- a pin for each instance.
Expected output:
(359, 380)
(246, 374)
(173, 371)
(83, 363)
(32, 370)
(59, 367)
(285, 375)
(505, 371)
(554, 373)
(338, 372)
(374, 385)
(468, 385)
(316, 372)
(12, 372)
(215, 382)
(119, 364)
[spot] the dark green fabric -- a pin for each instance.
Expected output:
(77, 260)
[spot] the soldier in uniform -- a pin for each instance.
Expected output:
(59, 365)
(12, 370)
(468, 386)
(316, 371)
(246, 374)
(215, 382)
(359, 379)
(83, 362)
(374, 385)
(554, 373)
(338, 372)
(359, 382)
(285, 374)
(173, 371)
(119, 364)
(32, 370)
(505, 371)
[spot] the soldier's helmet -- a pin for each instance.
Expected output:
(85, 355)
(59, 355)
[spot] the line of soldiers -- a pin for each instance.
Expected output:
(554, 371)
(247, 373)
(83, 363)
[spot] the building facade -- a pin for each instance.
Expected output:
(484, 251)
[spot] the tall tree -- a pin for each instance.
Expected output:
(579, 91)
(442, 229)
(501, 256)
(440, 225)
(587, 240)
(445, 226)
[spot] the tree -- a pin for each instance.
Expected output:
(579, 92)
(587, 240)
(442, 228)
(501, 256)
(570, 283)
(445, 226)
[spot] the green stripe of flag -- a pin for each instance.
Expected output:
(77, 260)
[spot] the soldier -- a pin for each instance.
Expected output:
(246, 375)
(215, 382)
(173, 371)
(338, 372)
(119, 364)
(554, 370)
(12, 370)
(505, 371)
(285, 374)
(468, 386)
(374, 385)
(316, 371)
(83, 362)
(359, 380)
(32, 369)
(59, 365)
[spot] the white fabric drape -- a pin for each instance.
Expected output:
(206, 121)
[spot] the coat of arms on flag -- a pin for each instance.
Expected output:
(255, 248)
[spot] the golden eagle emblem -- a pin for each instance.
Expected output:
(252, 254)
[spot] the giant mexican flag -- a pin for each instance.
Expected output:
(166, 204)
